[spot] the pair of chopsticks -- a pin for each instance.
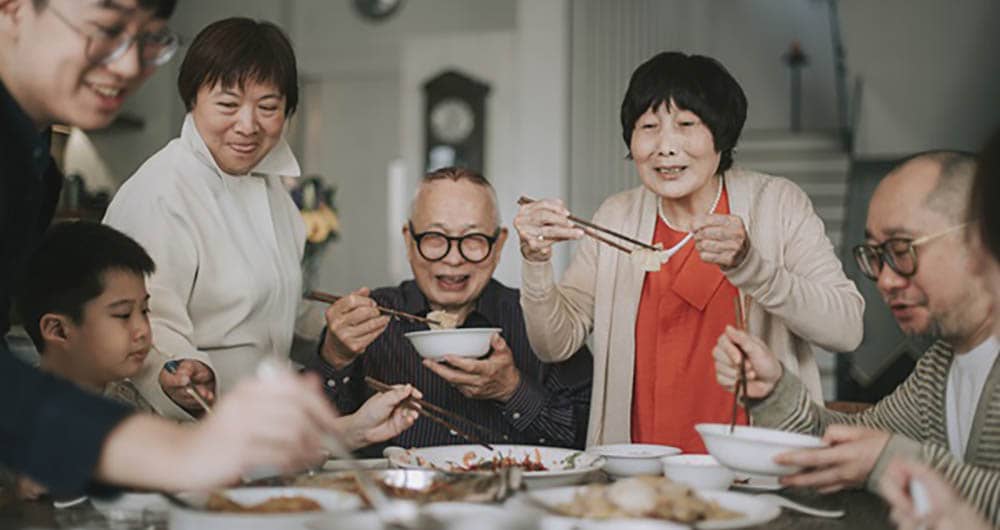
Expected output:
(171, 366)
(591, 230)
(320, 296)
(739, 393)
(432, 412)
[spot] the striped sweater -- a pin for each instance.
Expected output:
(915, 415)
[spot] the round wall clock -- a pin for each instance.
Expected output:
(377, 10)
(452, 120)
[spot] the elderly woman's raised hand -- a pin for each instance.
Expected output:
(540, 224)
(352, 323)
(720, 239)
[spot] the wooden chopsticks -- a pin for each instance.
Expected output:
(589, 228)
(741, 385)
(320, 296)
(425, 409)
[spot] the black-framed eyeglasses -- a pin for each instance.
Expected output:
(434, 246)
(899, 253)
(106, 46)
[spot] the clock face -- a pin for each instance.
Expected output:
(452, 120)
(377, 9)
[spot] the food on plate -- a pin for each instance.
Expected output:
(445, 488)
(644, 497)
(218, 502)
(649, 260)
(495, 462)
(444, 319)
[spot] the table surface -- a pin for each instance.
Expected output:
(864, 510)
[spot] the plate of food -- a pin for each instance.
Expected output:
(654, 500)
(542, 467)
(259, 508)
(420, 485)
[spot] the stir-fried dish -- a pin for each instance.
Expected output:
(218, 502)
(495, 462)
(644, 497)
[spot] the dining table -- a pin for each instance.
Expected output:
(862, 510)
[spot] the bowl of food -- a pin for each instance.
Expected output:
(698, 471)
(752, 449)
(629, 460)
(462, 342)
(542, 467)
(258, 508)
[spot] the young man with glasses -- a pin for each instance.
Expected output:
(73, 62)
(453, 241)
(947, 413)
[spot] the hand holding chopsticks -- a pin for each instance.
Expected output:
(171, 367)
(540, 225)
(438, 415)
(319, 296)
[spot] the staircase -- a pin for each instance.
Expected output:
(817, 162)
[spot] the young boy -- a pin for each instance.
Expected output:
(85, 306)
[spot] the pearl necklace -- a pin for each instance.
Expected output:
(663, 216)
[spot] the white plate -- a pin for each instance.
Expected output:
(755, 511)
(456, 515)
(566, 466)
(130, 504)
(331, 501)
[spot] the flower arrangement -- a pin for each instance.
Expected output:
(314, 199)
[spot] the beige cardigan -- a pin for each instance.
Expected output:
(799, 290)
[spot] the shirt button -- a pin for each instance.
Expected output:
(541, 440)
(346, 380)
(453, 433)
(331, 383)
(516, 415)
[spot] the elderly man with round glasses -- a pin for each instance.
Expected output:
(945, 415)
(453, 243)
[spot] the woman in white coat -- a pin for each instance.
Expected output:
(211, 210)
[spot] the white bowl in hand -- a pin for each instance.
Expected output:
(752, 449)
(702, 472)
(461, 342)
(629, 460)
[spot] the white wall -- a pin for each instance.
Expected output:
(931, 73)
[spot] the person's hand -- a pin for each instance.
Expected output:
(846, 463)
(27, 489)
(352, 323)
(947, 511)
(276, 424)
(495, 377)
(540, 224)
(380, 418)
(763, 369)
(189, 371)
(720, 239)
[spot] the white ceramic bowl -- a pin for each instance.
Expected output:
(698, 471)
(565, 466)
(130, 504)
(331, 501)
(462, 342)
(752, 449)
(629, 460)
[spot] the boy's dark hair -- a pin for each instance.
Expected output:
(236, 50)
(160, 8)
(67, 270)
(985, 190)
(696, 83)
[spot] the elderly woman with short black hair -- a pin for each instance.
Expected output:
(731, 234)
(212, 211)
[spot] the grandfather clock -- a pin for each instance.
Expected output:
(454, 121)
